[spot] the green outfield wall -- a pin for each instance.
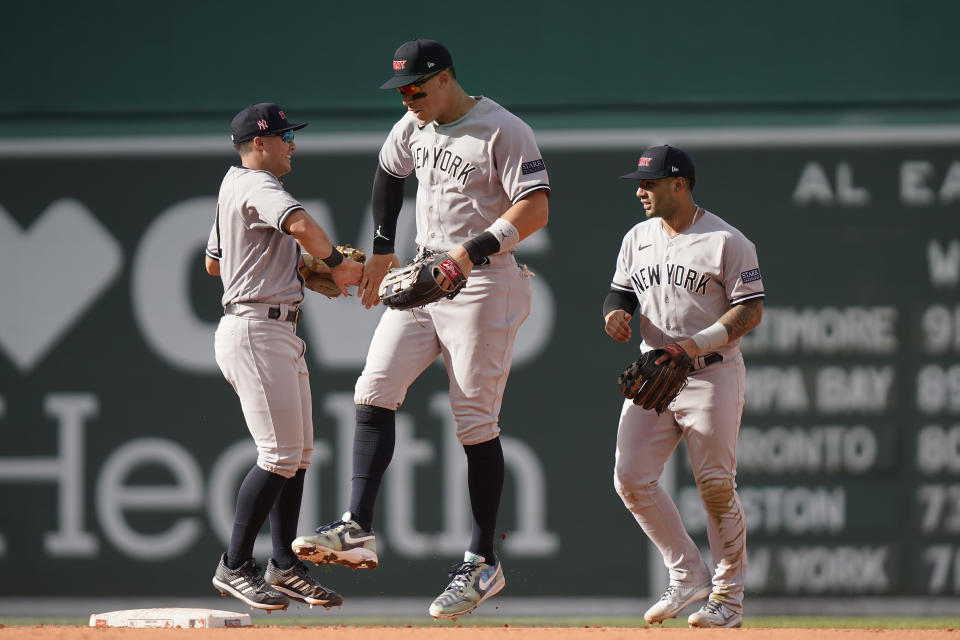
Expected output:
(123, 446)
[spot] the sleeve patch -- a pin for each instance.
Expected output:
(533, 166)
(750, 276)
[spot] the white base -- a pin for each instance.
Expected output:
(170, 618)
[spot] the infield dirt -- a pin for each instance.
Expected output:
(467, 633)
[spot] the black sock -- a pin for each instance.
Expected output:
(258, 492)
(485, 471)
(373, 443)
(284, 518)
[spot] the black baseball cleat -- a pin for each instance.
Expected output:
(246, 583)
(297, 584)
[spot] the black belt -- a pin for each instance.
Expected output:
(702, 362)
(273, 313)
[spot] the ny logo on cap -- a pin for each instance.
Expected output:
(399, 65)
(262, 125)
(644, 162)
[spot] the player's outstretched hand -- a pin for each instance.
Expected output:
(617, 325)
(347, 274)
(374, 270)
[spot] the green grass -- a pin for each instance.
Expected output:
(842, 622)
(33, 622)
(803, 622)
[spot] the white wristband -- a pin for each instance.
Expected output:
(505, 233)
(712, 337)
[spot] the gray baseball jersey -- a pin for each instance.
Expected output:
(251, 209)
(686, 282)
(469, 172)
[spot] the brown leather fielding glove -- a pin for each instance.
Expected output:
(316, 274)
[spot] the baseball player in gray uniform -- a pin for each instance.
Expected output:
(482, 187)
(254, 247)
(693, 280)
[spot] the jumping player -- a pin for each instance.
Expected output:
(482, 187)
(691, 279)
(254, 247)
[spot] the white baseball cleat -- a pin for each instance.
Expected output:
(473, 582)
(715, 614)
(340, 542)
(674, 599)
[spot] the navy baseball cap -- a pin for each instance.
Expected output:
(663, 162)
(263, 119)
(416, 59)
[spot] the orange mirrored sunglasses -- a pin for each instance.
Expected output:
(412, 89)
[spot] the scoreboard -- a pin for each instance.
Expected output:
(849, 450)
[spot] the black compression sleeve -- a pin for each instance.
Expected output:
(620, 300)
(387, 200)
